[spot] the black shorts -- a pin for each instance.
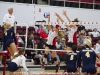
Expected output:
(89, 68)
(51, 46)
(12, 67)
(71, 68)
(8, 42)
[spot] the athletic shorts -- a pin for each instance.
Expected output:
(89, 68)
(71, 68)
(8, 42)
(12, 67)
(51, 46)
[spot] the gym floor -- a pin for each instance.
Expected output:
(41, 72)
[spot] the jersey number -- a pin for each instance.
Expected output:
(72, 57)
(87, 54)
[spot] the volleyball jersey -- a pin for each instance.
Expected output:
(51, 39)
(71, 34)
(20, 61)
(71, 58)
(71, 62)
(9, 34)
(87, 55)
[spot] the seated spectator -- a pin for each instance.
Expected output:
(20, 41)
(40, 29)
(94, 48)
(35, 55)
(36, 28)
(88, 37)
(81, 39)
(58, 45)
(30, 41)
(45, 29)
(63, 43)
(83, 31)
(98, 45)
(95, 33)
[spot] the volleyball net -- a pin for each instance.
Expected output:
(30, 28)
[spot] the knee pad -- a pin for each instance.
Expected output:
(55, 59)
(45, 55)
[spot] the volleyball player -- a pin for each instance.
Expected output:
(18, 60)
(71, 59)
(50, 44)
(8, 38)
(88, 57)
(71, 28)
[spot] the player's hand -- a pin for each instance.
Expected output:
(64, 12)
(56, 14)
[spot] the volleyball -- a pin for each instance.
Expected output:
(46, 14)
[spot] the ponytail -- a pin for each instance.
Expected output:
(20, 52)
(6, 25)
(74, 48)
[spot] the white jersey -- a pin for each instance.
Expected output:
(71, 32)
(51, 36)
(9, 19)
(20, 61)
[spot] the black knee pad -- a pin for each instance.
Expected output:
(55, 59)
(46, 55)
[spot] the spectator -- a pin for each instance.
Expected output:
(94, 48)
(81, 40)
(63, 43)
(45, 29)
(58, 45)
(40, 30)
(95, 33)
(36, 28)
(98, 45)
(31, 41)
(20, 41)
(36, 55)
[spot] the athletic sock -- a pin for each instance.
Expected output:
(65, 70)
(57, 68)
(43, 64)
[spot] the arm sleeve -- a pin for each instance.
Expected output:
(79, 59)
(14, 36)
(23, 64)
(94, 57)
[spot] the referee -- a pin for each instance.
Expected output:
(9, 17)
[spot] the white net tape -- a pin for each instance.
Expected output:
(62, 23)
